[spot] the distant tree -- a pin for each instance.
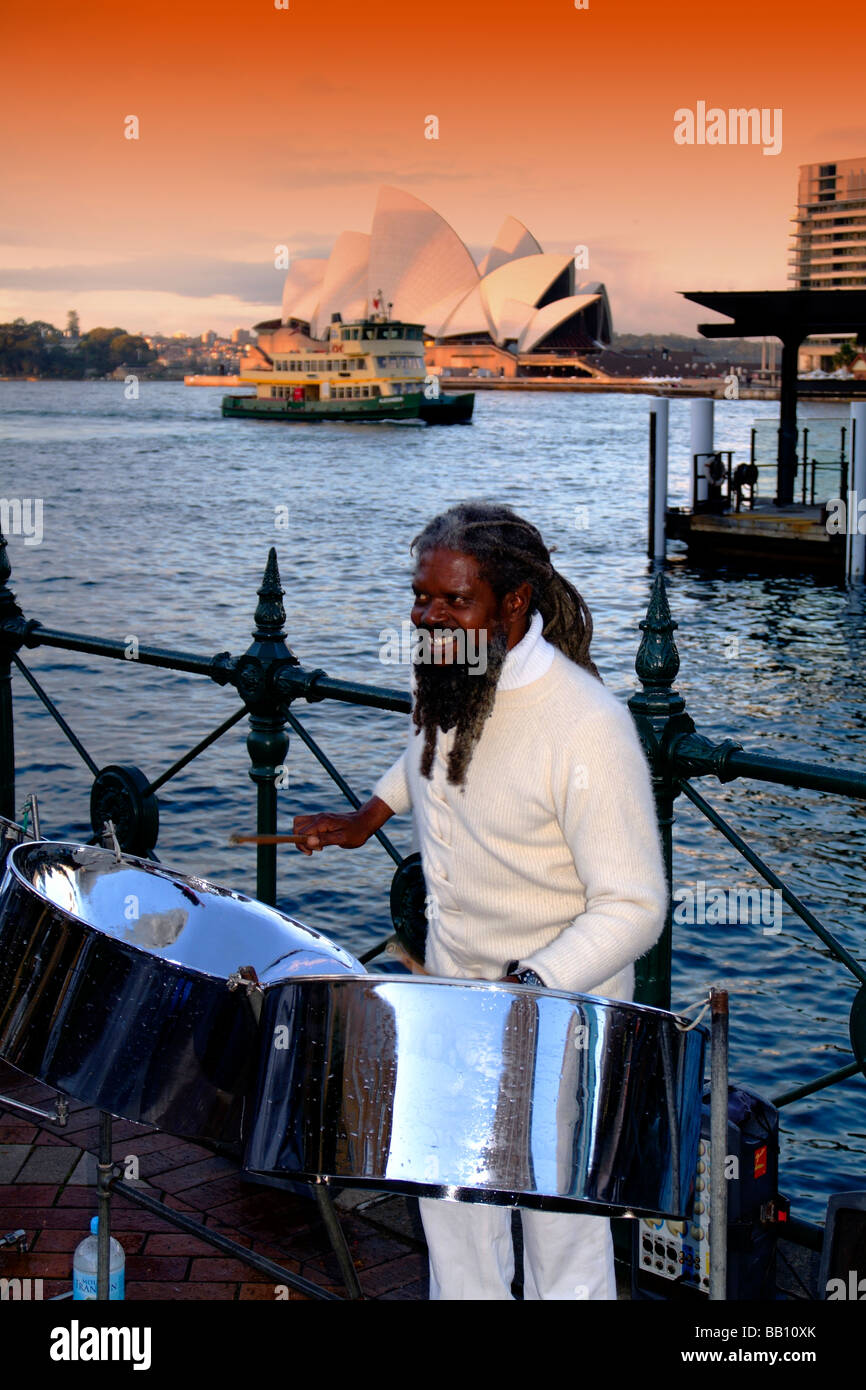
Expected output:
(24, 347)
(37, 349)
(845, 354)
(130, 349)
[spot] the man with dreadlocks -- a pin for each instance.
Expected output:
(534, 814)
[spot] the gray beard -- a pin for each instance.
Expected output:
(452, 696)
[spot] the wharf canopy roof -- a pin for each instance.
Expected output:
(519, 296)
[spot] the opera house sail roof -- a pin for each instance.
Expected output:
(519, 298)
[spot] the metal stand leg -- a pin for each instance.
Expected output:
(338, 1241)
(718, 1144)
(103, 1200)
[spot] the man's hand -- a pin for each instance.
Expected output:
(328, 829)
(348, 830)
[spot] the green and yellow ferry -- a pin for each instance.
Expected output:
(371, 369)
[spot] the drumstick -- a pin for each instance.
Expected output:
(269, 839)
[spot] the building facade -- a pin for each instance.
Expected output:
(829, 241)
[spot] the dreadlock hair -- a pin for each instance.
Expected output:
(510, 551)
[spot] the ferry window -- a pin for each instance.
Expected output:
(381, 361)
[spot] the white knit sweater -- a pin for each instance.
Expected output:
(550, 853)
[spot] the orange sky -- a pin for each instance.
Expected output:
(260, 126)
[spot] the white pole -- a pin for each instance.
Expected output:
(659, 408)
(701, 443)
(856, 493)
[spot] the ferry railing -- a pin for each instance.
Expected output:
(727, 490)
(836, 465)
(268, 678)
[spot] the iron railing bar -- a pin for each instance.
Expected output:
(194, 752)
(55, 714)
(112, 647)
(828, 1079)
(766, 872)
(295, 681)
(765, 768)
(316, 685)
(340, 780)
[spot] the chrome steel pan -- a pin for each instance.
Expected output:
(479, 1092)
(114, 984)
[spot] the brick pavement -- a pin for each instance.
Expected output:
(46, 1188)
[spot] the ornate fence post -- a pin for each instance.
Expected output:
(659, 713)
(267, 742)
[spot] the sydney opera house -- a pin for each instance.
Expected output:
(520, 312)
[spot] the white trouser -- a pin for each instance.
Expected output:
(472, 1256)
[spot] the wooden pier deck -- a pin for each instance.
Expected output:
(765, 533)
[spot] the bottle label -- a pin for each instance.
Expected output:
(84, 1285)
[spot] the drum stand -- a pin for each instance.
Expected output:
(107, 1182)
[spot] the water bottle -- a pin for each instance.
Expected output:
(84, 1266)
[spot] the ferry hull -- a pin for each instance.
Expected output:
(444, 410)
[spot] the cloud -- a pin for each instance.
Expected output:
(194, 277)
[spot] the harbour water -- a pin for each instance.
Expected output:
(157, 518)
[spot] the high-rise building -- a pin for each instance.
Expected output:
(829, 241)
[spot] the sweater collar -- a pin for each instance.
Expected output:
(529, 660)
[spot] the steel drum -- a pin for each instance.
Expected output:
(479, 1092)
(115, 984)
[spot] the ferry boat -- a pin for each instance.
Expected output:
(371, 369)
